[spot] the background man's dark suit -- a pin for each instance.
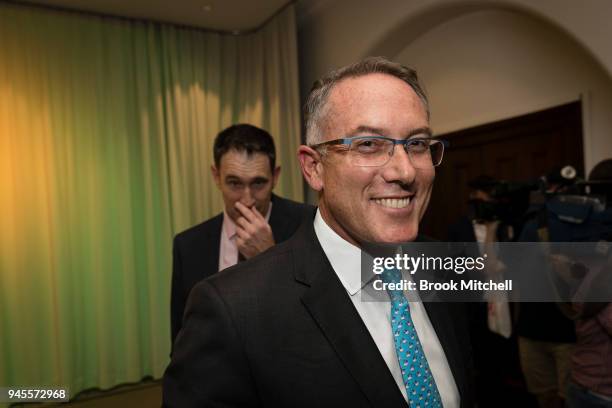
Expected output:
(280, 331)
(196, 251)
(495, 357)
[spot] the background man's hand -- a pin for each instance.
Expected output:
(254, 233)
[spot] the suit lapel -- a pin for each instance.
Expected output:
(213, 243)
(278, 221)
(329, 305)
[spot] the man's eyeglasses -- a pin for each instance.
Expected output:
(374, 151)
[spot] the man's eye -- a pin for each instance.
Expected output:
(367, 146)
(418, 145)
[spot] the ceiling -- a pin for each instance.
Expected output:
(222, 15)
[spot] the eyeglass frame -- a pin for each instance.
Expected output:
(347, 141)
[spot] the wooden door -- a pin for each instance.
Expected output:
(518, 150)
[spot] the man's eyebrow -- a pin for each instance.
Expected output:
(231, 177)
(360, 130)
(419, 131)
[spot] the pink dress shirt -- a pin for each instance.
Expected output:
(228, 250)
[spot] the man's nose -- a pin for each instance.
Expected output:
(247, 197)
(399, 168)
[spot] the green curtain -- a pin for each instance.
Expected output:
(106, 132)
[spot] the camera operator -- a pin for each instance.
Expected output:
(495, 353)
(591, 362)
(546, 336)
(568, 213)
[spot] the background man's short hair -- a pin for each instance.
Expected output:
(602, 172)
(244, 137)
(315, 105)
(484, 183)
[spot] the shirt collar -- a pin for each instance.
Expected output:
(343, 256)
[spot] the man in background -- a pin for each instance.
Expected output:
(498, 374)
(546, 337)
(253, 219)
(288, 328)
(590, 384)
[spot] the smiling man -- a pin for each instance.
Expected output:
(294, 330)
(252, 221)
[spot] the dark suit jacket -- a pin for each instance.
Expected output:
(463, 231)
(280, 331)
(196, 251)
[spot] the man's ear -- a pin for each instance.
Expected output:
(275, 175)
(312, 168)
(215, 174)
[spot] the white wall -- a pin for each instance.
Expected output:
(490, 65)
(480, 60)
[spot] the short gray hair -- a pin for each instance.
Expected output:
(317, 98)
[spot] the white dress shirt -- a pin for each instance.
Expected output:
(345, 258)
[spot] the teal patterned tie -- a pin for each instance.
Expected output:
(419, 382)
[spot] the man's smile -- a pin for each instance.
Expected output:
(393, 202)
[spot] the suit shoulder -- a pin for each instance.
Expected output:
(290, 207)
(425, 238)
(269, 268)
(200, 230)
(287, 216)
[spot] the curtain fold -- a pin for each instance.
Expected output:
(106, 133)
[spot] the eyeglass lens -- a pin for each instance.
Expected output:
(377, 152)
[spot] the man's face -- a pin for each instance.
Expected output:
(247, 179)
(374, 204)
(481, 195)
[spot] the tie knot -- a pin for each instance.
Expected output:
(393, 276)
